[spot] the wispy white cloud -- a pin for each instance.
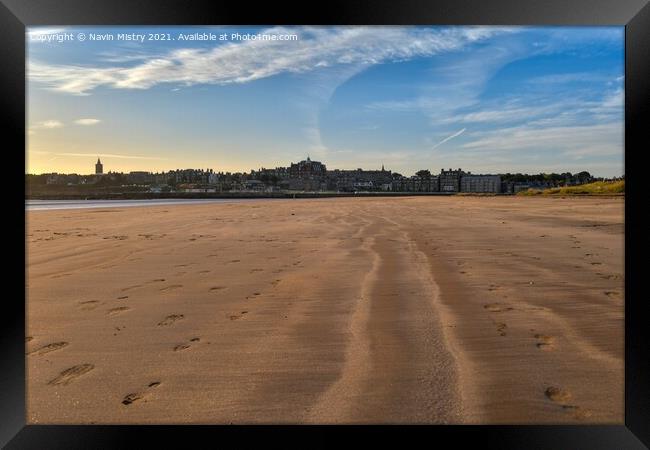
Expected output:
(88, 121)
(564, 78)
(109, 155)
(87, 155)
(570, 141)
(47, 124)
(252, 60)
(448, 138)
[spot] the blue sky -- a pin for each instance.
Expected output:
(487, 99)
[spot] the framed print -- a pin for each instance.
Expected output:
(389, 220)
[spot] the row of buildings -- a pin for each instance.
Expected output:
(306, 175)
(311, 175)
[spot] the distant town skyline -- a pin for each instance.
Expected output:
(487, 99)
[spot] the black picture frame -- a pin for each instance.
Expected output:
(15, 15)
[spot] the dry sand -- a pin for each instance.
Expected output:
(355, 310)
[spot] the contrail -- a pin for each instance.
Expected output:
(449, 138)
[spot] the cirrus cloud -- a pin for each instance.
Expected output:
(316, 48)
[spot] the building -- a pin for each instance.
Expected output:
(307, 169)
(449, 180)
(480, 183)
(416, 184)
(140, 177)
(303, 184)
(99, 167)
(359, 179)
(254, 185)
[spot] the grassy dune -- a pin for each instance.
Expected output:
(597, 188)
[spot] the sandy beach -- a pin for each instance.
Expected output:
(436, 310)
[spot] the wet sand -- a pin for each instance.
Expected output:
(350, 310)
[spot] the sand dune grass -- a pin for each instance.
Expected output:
(596, 188)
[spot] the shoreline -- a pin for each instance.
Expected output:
(236, 195)
(290, 195)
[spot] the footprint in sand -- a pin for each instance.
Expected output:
(123, 297)
(152, 236)
(275, 282)
(171, 287)
(610, 277)
(613, 294)
(545, 342)
(170, 319)
(204, 272)
(28, 338)
(116, 237)
(118, 310)
(48, 348)
(238, 316)
(186, 345)
(217, 288)
(71, 374)
(497, 307)
(562, 398)
(128, 288)
(88, 305)
(557, 395)
(130, 398)
(501, 329)
(135, 396)
(578, 412)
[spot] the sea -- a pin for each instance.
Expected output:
(45, 205)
